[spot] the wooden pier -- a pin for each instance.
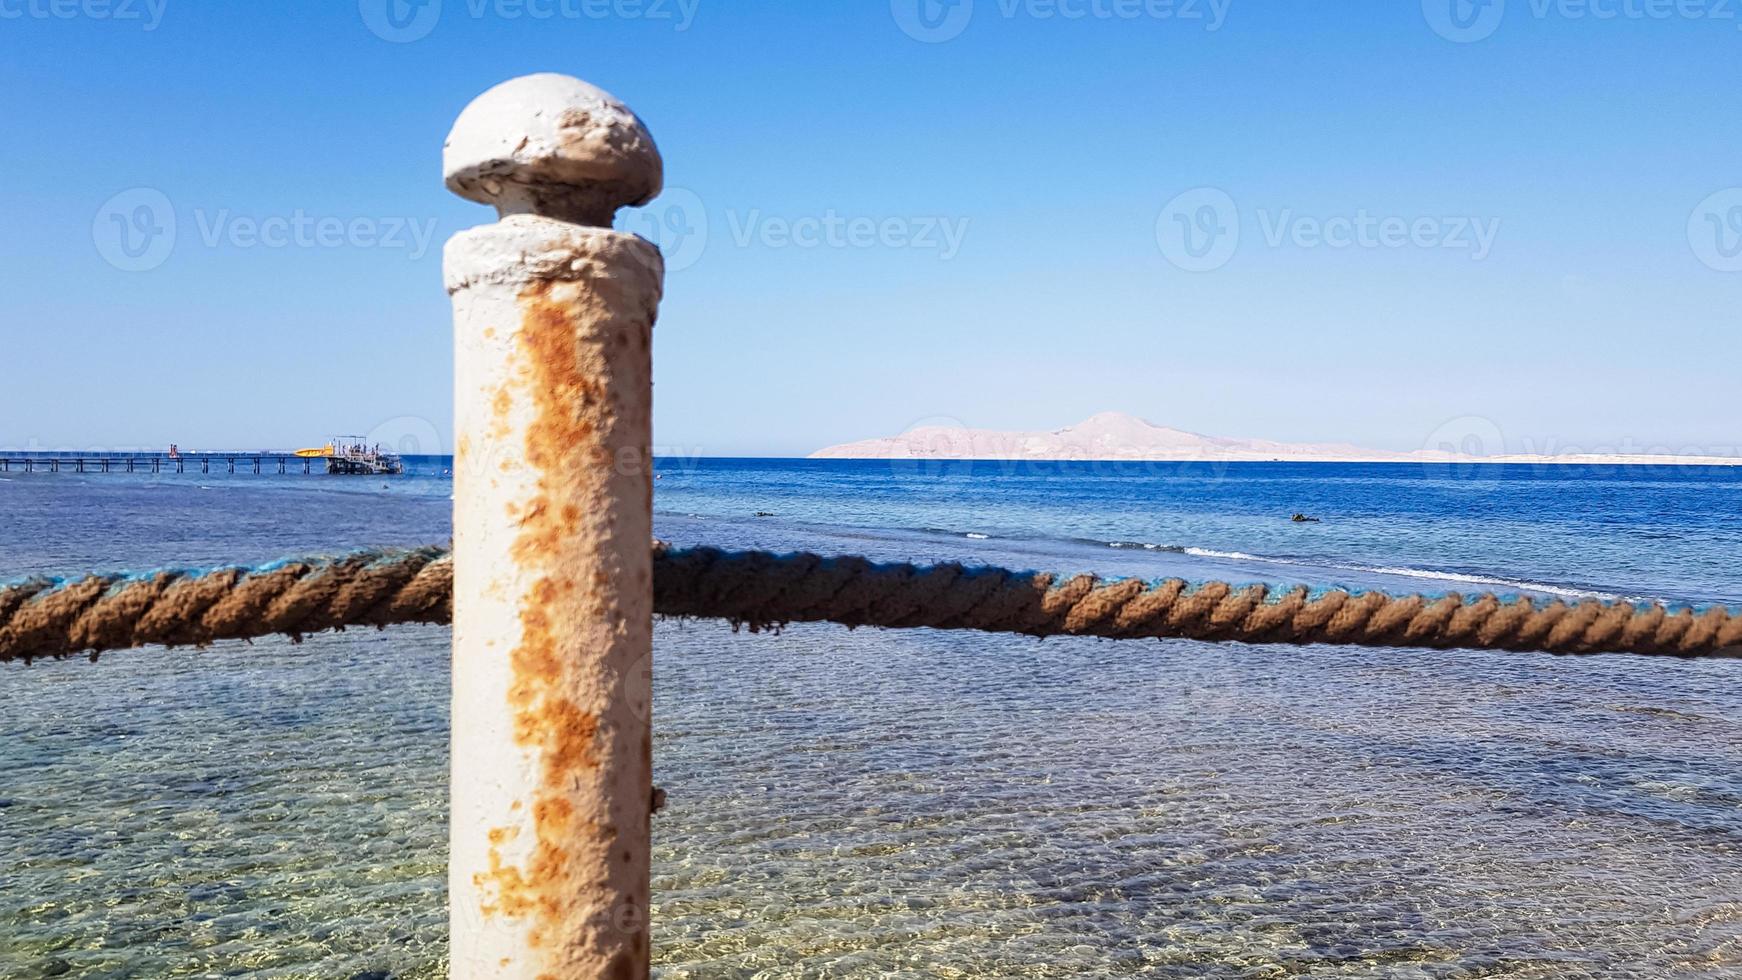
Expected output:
(209, 462)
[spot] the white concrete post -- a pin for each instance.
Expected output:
(553, 592)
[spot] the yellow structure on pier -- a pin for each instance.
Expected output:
(352, 455)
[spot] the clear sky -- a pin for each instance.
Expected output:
(1391, 223)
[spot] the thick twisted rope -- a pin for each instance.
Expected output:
(57, 618)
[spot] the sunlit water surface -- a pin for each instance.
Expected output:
(863, 803)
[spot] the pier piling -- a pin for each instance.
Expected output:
(553, 592)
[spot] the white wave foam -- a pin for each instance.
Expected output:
(977, 536)
(1421, 573)
(1559, 590)
(1239, 556)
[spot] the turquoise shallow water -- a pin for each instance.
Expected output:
(915, 804)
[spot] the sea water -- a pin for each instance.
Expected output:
(916, 803)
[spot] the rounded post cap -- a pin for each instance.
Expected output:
(552, 145)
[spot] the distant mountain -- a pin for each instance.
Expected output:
(1115, 436)
(1109, 435)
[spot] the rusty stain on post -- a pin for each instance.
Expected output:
(553, 592)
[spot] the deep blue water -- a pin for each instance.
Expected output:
(1656, 532)
(878, 804)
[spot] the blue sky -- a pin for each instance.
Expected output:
(1518, 222)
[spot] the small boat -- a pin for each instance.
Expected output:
(352, 456)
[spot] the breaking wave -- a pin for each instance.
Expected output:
(1463, 578)
(1487, 582)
